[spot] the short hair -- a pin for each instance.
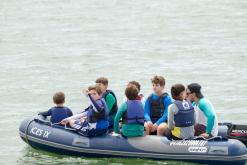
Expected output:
(59, 98)
(131, 92)
(102, 80)
(158, 80)
(176, 90)
(137, 84)
(195, 88)
(96, 88)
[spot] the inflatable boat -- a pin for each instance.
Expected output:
(41, 134)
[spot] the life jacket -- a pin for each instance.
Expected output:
(134, 113)
(185, 116)
(114, 107)
(157, 107)
(93, 116)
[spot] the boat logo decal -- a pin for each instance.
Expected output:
(236, 131)
(198, 149)
(40, 132)
(197, 143)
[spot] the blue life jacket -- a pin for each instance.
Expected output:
(59, 113)
(114, 109)
(134, 113)
(157, 107)
(185, 116)
(92, 116)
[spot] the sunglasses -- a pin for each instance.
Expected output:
(188, 93)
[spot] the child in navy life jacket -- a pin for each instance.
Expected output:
(59, 112)
(156, 108)
(132, 113)
(93, 120)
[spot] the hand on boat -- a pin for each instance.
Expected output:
(115, 134)
(205, 135)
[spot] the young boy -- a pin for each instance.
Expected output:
(110, 98)
(156, 108)
(132, 113)
(139, 96)
(93, 120)
(59, 112)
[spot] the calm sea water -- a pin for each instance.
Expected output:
(48, 46)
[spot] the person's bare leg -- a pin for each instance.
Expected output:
(147, 129)
(71, 123)
(161, 129)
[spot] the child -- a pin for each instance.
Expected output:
(59, 112)
(181, 118)
(132, 113)
(110, 98)
(139, 96)
(156, 108)
(93, 120)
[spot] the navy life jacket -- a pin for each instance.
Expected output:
(185, 116)
(93, 117)
(157, 107)
(114, 107)
(134, 113)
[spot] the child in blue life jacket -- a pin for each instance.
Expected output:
(132, 113)
(93, 120)
(59, 112)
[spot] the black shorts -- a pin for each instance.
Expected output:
(199, 129)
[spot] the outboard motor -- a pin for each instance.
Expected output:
(238, 132)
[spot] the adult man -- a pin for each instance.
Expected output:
(206, 119)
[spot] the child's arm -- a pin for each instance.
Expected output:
(118, 116)
(167, 102)
(45, 113)
(147, 111)
(96, 106)
(170, 119)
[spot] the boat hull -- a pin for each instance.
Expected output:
(58, 140)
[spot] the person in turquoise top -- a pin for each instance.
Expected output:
(110, 98)
(132, 113)
(206, 119)
(156, 108)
